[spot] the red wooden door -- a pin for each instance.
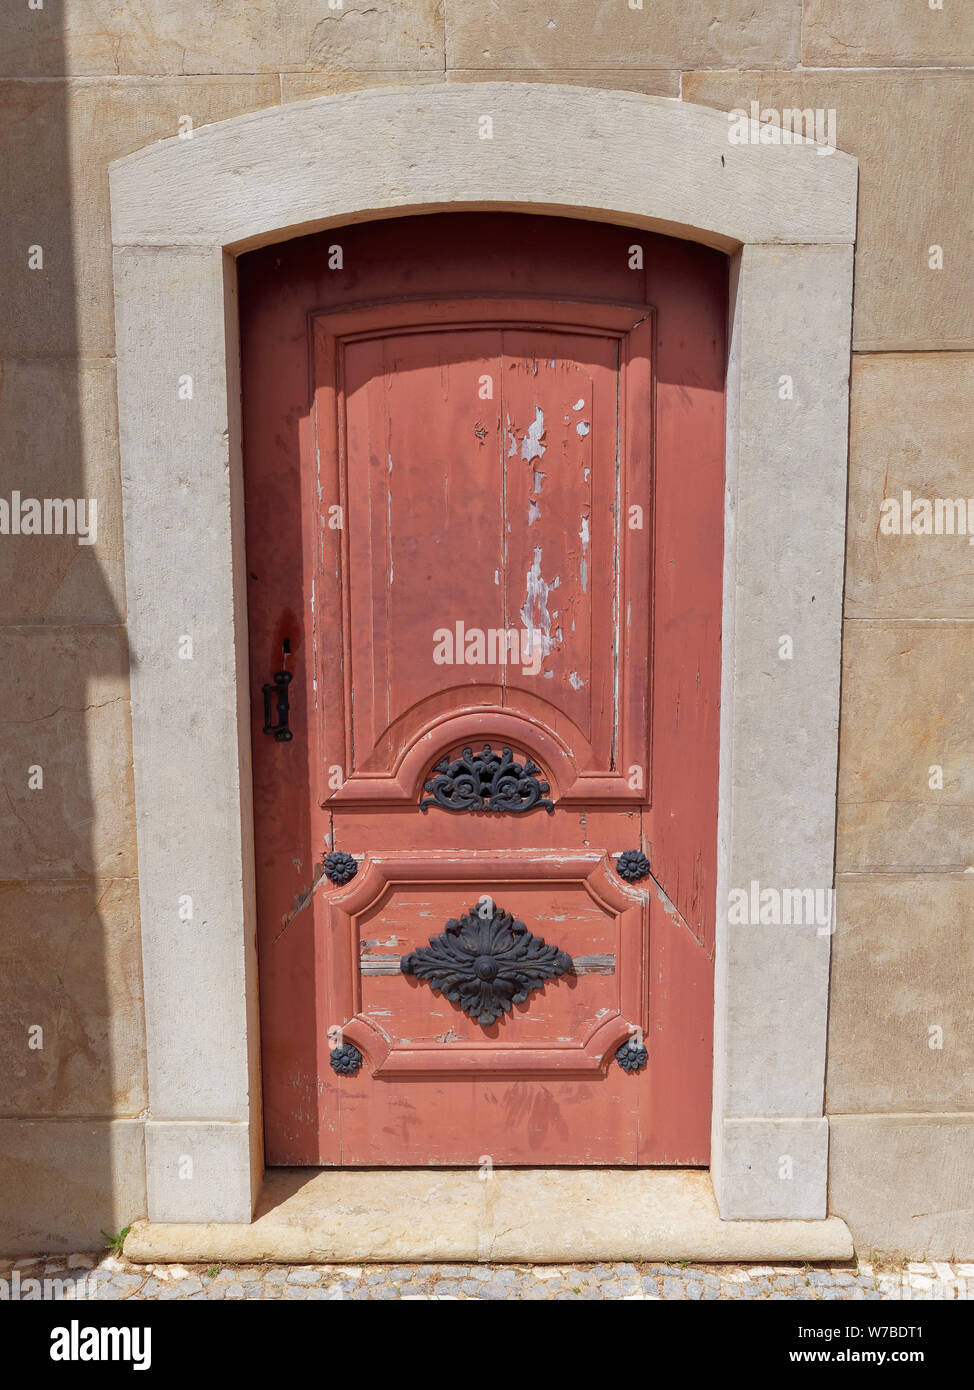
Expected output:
(484, 486)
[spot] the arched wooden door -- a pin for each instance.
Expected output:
(484, 490)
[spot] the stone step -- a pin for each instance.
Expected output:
(512, 1215)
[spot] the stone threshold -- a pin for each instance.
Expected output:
(511, 1216)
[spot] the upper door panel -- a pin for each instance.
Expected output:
(490, 466)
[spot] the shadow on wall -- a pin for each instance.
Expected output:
(71, 1025)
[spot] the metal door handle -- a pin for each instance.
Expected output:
(279, 685)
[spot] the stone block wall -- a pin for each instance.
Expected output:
(83, 82)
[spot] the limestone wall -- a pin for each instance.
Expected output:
(83, 82)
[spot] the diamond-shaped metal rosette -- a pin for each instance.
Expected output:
(486, 964)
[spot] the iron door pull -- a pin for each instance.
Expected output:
(279, 685)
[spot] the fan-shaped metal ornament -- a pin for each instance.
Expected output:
(486, 781)
(486, 961)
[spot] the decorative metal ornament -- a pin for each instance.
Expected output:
(486, 781)
(486, 962)
(632, 865)
(632, 1056)
(345, 1060)
(340, 867)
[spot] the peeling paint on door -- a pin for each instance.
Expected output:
(531, 445)
(534, 610)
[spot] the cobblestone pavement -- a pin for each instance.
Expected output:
(108, 1277)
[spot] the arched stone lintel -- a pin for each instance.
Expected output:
(662, 164)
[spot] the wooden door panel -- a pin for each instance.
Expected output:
(476, 450)
(509, 1123)
(573, 902)
(560, 498)
(449, 537)
(414, 505)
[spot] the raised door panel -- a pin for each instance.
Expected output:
(491, 481)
